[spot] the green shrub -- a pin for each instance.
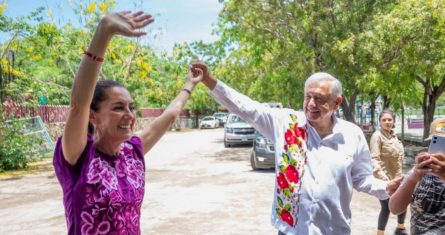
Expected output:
(16, 147)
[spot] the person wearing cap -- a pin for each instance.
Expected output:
(387, 154)
(424, 188)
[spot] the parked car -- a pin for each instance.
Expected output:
(222, 117)
(237, 131)
(263, 153)
(208, 122)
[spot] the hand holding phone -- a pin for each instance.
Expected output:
(437, 151)
(424, 160)
(437, 144)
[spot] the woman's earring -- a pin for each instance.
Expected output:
(97, 131)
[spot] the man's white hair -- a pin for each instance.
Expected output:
(336, 89)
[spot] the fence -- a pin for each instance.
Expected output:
(41, 141)
(58, 113)
(48, 113)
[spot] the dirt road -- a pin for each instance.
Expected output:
(194, 186)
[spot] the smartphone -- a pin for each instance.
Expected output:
(437, 144)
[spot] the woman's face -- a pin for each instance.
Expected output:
(116, 116)
(386, 122)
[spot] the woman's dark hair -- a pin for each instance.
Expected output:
(99, 96)
(390, 112)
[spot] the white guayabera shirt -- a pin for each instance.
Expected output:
(314, 178)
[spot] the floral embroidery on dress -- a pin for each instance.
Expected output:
(114, 193)
(101, 172)
(291, 171)
(135, 169)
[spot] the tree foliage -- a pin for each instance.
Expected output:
(406, 47)
(278, 44)
(388, 49)
(47, 56)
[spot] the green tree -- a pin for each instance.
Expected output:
(407, 50)
(281, 43)
(48, 53)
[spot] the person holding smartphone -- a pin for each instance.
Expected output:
(424, 188)
(387, 154)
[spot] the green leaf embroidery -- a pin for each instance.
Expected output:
(293, 148)
(280, 202)
(278, 210)
(286, 192)
(286, 158)
(293, 162)
(287, 207)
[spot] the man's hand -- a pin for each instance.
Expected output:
(392, 185)
(195, 75)
(207, 78)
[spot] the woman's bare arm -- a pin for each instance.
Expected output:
(75, 132)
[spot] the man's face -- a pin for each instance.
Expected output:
(319, 103)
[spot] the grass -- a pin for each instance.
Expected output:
(41, 164)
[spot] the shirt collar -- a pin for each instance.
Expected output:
(315, 137)
(388, 134)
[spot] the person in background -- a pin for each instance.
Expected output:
(387, 154)
(424, 188)
(319, 158)
(98, 161)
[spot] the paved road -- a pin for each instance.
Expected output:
(194, 186)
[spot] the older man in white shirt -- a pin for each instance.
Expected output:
(319, 158)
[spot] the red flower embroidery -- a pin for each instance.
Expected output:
(290, 138)
(282, 182)
(290, 170)
(300, 132)
(287, 217)
(292, 174)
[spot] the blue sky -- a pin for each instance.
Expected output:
(175, 20)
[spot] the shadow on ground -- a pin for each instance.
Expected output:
(238, 153)
(43, 165)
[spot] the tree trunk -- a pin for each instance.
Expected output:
(403, 124)
(430, 96)
(428, 112)
(348, 108)
(196, 119)
(386, 102)
(372, 107)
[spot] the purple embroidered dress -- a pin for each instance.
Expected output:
(102, 194)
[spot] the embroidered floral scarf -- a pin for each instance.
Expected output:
(290, 172)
